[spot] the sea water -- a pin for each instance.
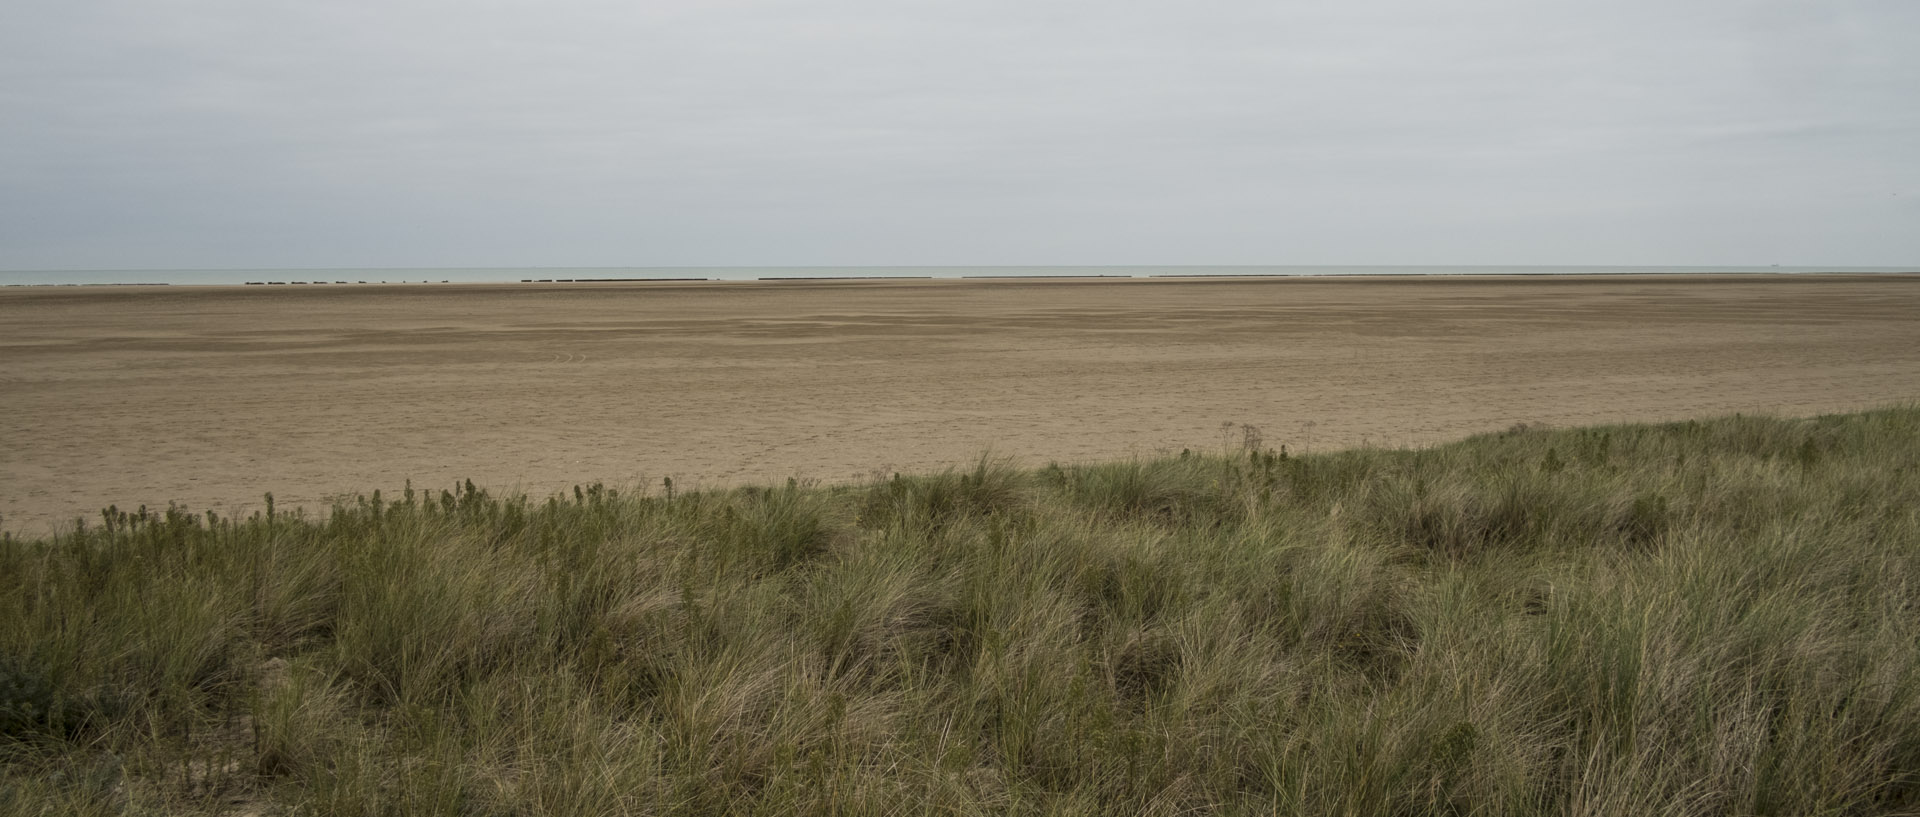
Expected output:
(218, 277)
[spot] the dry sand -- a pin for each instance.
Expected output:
(210, 396)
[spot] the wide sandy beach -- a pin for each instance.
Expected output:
(212, 396)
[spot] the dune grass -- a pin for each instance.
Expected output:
(1717, 617)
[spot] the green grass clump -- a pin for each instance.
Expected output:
(1713, 617)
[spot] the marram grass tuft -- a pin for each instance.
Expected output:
(1716, 617)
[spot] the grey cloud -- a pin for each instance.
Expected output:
(228, 132)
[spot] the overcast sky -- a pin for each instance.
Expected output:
(233, 133)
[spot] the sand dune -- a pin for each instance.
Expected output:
(211, 396)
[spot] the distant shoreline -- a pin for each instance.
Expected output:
(322, 277)
(1246, 277)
